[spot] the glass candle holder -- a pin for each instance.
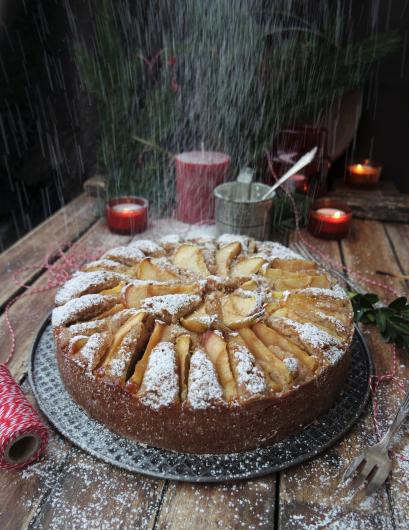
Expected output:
(364, 174)
(127, 215)
(329, 219)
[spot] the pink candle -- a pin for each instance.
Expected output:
(197, 174)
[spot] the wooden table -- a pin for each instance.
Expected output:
(69, 489)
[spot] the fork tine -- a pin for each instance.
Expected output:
(364, 473)
(377, 480)
(353, 466)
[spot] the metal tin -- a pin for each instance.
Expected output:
(240, 210)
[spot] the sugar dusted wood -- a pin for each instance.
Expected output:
(23, 492)
(235, 505)
(311, 495)
(92, 494)
(62, 227)
(380, 254)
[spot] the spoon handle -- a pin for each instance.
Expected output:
(302, 162)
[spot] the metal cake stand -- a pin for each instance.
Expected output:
(91, 436)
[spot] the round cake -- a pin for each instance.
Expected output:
(203, 345)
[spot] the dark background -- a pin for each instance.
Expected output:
(48, 126)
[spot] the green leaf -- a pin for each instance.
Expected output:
(398, 304)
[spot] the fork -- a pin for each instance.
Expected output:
(375, 461)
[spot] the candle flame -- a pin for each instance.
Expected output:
(337, 214)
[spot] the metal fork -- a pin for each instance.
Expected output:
(375, 462)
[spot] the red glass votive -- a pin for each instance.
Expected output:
(127, 215)
(365, 174)
(329, 219)
(197, 175)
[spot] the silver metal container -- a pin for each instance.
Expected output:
(240, 210)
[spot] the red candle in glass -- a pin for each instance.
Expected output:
(127, 215)
(197, 174)
(329, 219)
(365, 174)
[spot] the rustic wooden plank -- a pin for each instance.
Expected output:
(383, 203)
(366, 250)
(64, 226)
(247, 505)
(311, 495)
(389, 397)
(92, 494)
(399, 238)
(379, 253)
(28, 312)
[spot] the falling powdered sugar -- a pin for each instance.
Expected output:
(204, 388)
(160, 386)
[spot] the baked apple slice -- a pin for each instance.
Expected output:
(160, 384)
(199, 321)
(250, 380)
(225, 255)
(127, 343)
(182, 354)
(273, 340)
(247, 266)
(204, 389)
(240, 311)
(216, 349)
(270, 362)
(134, 293)
(293, 265)
(191, 258)
(148, 270)
(135, 380)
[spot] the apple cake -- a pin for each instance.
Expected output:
(203, 345)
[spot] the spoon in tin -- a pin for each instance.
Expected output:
(302, 162)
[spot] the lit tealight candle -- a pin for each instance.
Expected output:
(127, 215)
(126, 207)
(329, 219)
(333, 213)
(364, 175)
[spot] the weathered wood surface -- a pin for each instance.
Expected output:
(69, 489)
(311, 495)
(383, 203)
(64, 226)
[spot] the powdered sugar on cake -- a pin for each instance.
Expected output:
(318, 339)
(147, 246)
(173, 305)
(87, 282)
(204, 388)
(160, 386)
(87, 305)
(247, 373)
